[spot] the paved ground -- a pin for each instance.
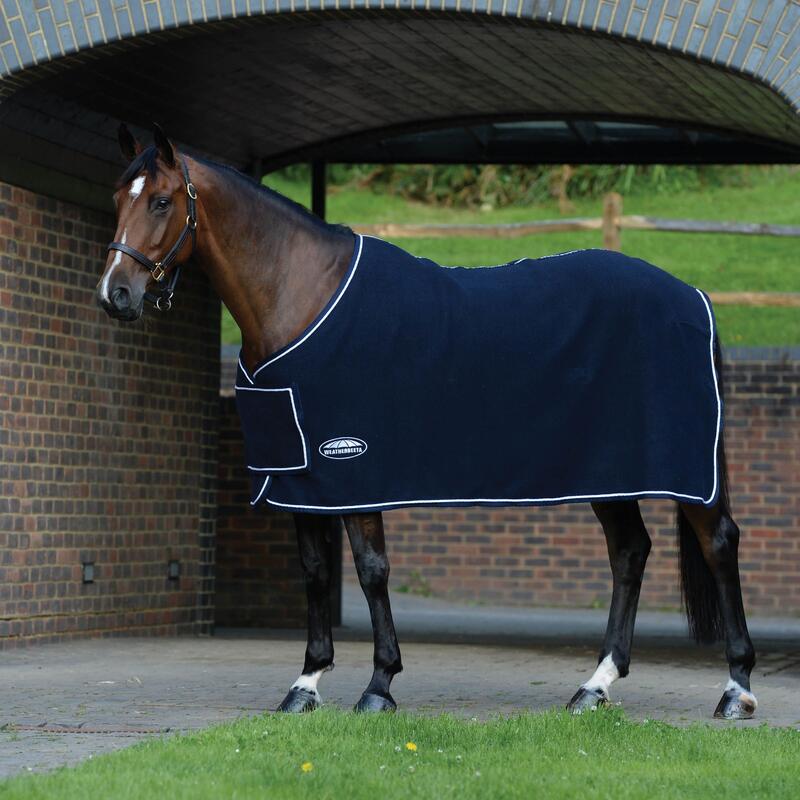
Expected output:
(493, 660)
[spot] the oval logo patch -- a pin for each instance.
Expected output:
(343, 447)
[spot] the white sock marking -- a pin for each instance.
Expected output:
(743, 694)
(136, 188)
(605, 674)
(117, 258)
(309, 683)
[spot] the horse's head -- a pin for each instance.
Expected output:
(156, 219)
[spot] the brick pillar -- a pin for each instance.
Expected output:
(107, 438)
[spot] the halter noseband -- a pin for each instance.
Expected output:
(162, 300)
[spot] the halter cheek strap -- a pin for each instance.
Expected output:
(162, 300)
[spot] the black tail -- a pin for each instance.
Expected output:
(700, 597)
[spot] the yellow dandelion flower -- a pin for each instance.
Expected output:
(306, 766)
(411, 746)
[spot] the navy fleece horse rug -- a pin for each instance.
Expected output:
(583, 376)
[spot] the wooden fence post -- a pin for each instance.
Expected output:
(612, 211)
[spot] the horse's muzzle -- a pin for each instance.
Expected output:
(120, 305)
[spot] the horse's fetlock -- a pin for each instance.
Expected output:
(622, 661)
(394, 667)
(742, 655)
(319, 657)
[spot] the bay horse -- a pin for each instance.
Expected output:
(277, 267)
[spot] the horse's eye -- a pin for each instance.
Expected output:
(162, 204)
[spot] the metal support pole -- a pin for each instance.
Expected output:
(257, 169)
(318, 188)
(318, 191)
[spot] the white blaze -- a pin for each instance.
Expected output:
(136, 188)
(114, 263)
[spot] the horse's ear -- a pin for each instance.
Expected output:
(128, 145)
(163, 145)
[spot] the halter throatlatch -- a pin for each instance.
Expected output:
(162, 300)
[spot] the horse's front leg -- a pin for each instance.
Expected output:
(628, 547)
(369, 552)
(315, 542)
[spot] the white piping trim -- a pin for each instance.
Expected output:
(716, 388)
(548, 500)
(566, 253)
(323, 317)
(263, 487)
(245, 372)
(296, 422)
(507, 501)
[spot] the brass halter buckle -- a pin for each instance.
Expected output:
(158, 272)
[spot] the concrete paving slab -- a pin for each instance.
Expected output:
(123, 686)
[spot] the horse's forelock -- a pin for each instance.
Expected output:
(146, 160)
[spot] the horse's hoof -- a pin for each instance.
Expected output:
(736, 703)
(587, 700)
(370, 703)
(300, 701)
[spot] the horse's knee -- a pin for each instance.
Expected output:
(316, 574)
(373, 569)
(629, 561)
(628, 541)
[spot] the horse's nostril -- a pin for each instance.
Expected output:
(121, 299)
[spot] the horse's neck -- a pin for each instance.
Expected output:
(274, 269)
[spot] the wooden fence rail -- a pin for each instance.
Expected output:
(612, 223)
(515, 230)
(639, 223)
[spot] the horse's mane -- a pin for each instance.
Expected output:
(148, 160)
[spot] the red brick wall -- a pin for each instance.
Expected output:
(107, 439)
(556, 555)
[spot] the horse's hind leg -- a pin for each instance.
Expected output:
(369, 552)
(628, 547)
(712, 613)
(315, 541)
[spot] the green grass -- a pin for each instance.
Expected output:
(549, 755)
(710, 262)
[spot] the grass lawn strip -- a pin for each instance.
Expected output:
(333, 754)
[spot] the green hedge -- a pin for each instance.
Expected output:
(492, 186)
